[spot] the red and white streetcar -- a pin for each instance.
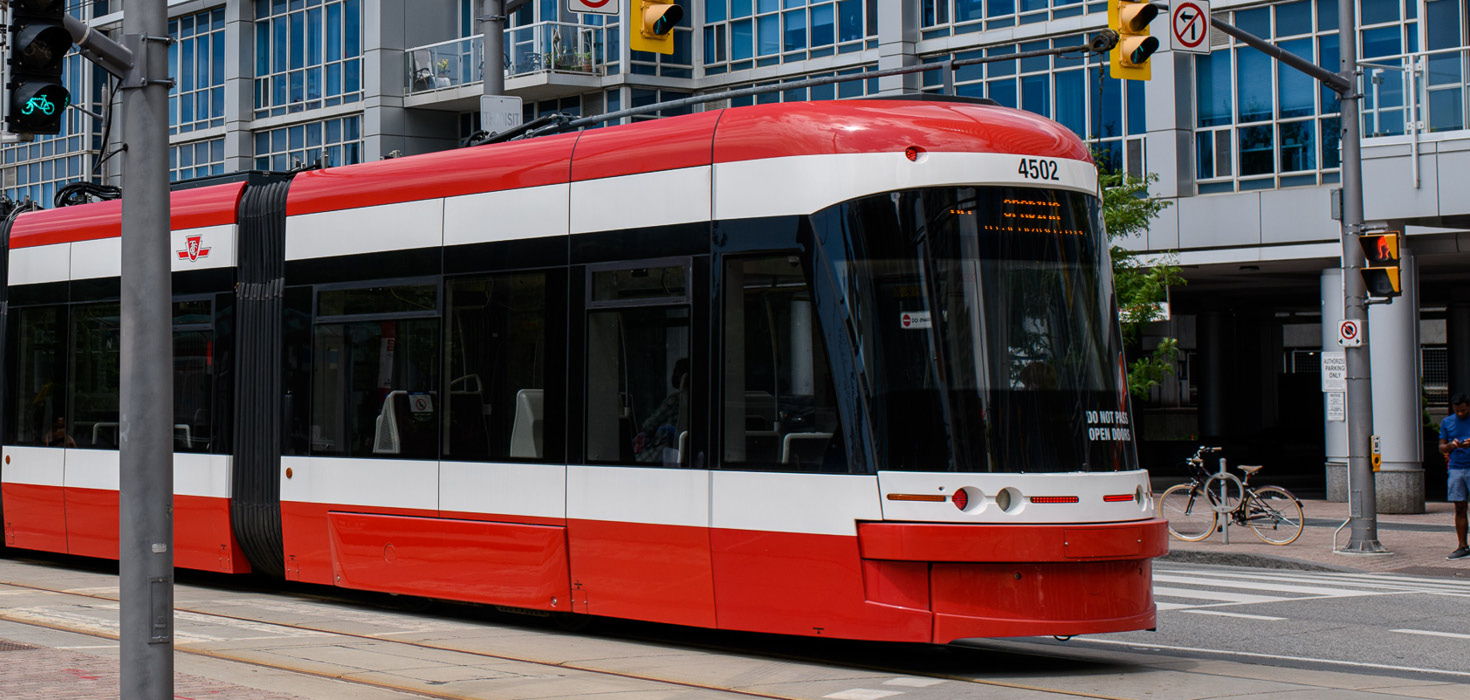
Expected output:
(845, 368)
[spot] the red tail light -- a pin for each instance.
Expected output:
(961, 499)
(1119, 498)
(1055, 499)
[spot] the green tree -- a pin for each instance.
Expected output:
(1142, 285)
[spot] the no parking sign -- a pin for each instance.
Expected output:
(1349, 334)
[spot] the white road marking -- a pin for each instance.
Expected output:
(863, 694)
(1259, 585)
(1430, 633)
(1222, 613)
(914, 682)
(1227, 596)
(1248, 654)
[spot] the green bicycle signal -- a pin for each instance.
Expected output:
(39, 102)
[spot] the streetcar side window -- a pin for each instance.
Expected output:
(37, 375)
(779, 405)
(374, 385)
(497, 355)
(96, 363)
(639, 375)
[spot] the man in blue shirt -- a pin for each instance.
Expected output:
(1454, 444)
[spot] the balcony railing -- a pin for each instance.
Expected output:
(547, 47)
(1417, 92)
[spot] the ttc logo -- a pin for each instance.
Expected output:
(192, 250)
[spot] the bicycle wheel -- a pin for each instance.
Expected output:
(1274, 515)
(1189, 512)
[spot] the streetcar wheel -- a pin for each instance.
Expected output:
(1275, 515)
(1190, 514)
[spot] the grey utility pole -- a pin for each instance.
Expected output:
(1362, 491)
(1363, 495)
(146, 556)
(498, 112)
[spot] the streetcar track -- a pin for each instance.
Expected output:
(572, 666)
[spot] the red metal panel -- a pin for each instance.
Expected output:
(971, 542)
(35, 517)
(665, 144)
(659, 573)
(203, 538)
(489, 168)
(306, 537)
(876, 126)
(499, 563)
(191, 208)
(1055, 598)
(91, 522)
(815, 585)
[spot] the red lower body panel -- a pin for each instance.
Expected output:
(85, 522)
(35, 517)
(816, 585)
(659, 573)
(484, 562)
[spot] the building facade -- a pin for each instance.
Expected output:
(1244, 149)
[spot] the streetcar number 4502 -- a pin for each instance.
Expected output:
(1038, 169)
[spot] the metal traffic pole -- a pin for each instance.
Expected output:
(146, 528)
(1364, 507)
(1363, 496)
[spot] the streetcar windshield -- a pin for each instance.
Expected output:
(978, 327)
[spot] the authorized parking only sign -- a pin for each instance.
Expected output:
(1189, 26)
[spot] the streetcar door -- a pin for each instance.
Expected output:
(638, 504)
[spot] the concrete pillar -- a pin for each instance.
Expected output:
(239, 86)
(898, 34)
(1334, 432)
(1210, 326)
(1397, 397)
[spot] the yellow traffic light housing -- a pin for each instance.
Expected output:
(1129, 59)
(651, 27)
(1381, 263)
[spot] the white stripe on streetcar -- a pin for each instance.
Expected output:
(1222, 613)
(1431, 633)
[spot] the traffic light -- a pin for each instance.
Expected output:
(1381, 263)
(38, 44)
(652, 25)
(1129, 59)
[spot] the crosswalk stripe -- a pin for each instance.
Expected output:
(1335, 579)
(1431, 633)
(1222, 613)
(1258, 585)
(1227, 596)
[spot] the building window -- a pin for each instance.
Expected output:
(945, 17)
(741, 34)
(36, 169)
(335, 141)
(307, 57)
(1074, 90)
(197, 61)
(187, 161)
(1261, 124)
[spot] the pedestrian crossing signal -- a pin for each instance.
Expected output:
(1381, 264)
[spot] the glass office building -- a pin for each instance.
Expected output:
(1246, 150)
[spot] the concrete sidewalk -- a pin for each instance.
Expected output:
(1417, 544)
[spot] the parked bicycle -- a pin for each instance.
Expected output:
(1194, 509)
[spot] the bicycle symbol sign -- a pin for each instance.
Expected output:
(46, 107)
(1189, 26)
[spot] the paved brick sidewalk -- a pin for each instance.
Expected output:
(1417, 544)
(38, 673)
